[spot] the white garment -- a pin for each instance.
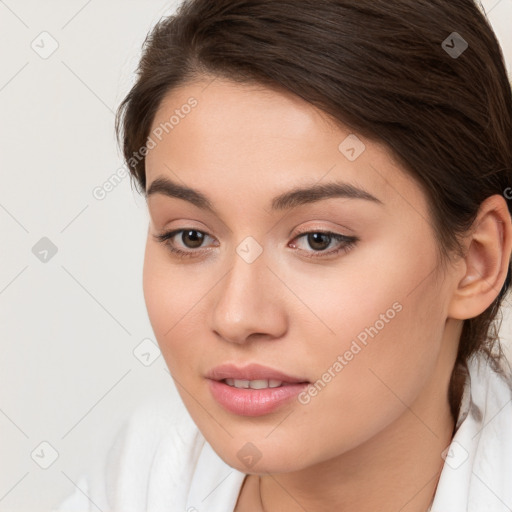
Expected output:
(160, 463)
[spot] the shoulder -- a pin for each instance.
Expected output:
(149, 464)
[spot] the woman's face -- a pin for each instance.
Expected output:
(361, 317)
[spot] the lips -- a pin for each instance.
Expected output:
(253, 390)
(252, 372)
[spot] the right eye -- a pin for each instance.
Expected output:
(194, 236)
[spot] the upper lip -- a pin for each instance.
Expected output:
(250, 372)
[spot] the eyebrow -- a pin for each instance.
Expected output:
(287, 200)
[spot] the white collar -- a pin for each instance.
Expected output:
(477, 474)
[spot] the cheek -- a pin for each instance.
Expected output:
(173, 297)
(385, 314)
(365, 289)
(178, 300)
(361, 387)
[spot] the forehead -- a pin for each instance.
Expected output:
(226, 112)
(243, 136)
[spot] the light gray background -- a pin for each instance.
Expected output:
(69, 326)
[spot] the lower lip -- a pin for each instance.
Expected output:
(253, 402)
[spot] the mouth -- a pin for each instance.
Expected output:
(252, 373)
(255, 384)
(253, 390)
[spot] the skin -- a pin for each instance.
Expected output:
(372, 439)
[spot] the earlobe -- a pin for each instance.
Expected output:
(487, 260)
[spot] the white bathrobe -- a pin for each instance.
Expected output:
(161, 463)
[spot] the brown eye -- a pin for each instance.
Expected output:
(319, 241)
(190, 240)
(195, 237)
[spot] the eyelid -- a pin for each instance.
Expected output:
(318, 229)
(166, 235)
(347, 241)
(345, 244)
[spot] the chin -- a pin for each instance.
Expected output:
(260, 455)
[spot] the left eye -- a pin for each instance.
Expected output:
(193, 239)
(324, 239)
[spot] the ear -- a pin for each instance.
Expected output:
(486, 262)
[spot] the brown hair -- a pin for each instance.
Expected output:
(388, 70)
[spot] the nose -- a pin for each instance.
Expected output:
(249, 302)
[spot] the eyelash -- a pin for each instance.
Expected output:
(348, 243)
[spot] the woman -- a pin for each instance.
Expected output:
(329, 244)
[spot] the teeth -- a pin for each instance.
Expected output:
(253, 384)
